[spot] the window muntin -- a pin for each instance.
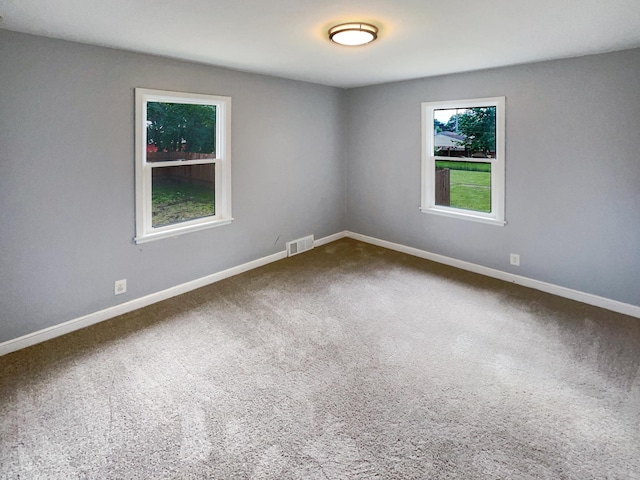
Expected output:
(463, 159)
(183, 170)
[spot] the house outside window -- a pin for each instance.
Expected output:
(183, 163)
(463, 164)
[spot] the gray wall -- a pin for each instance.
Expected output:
(572, 171)
(306, 159)
(67, 176)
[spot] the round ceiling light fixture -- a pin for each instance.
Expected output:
(353, 34)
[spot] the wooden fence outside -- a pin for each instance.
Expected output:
(202, 174)
(169, 156)
(443, 186)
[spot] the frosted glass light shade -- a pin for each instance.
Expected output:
(352, 34)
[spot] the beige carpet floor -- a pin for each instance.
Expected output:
(346, 362)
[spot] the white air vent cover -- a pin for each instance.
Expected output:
(300, 245)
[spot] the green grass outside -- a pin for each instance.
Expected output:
(174, 202)
(470, 185)
(469, 166)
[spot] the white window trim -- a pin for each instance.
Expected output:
(145, 232)
(428, 205)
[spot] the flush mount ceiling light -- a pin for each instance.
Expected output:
(352, 34)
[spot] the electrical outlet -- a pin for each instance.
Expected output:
(120, 287)
(515, 259)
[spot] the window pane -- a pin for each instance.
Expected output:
(465, 132)
(465, 185)
(180, 194)
(177, 131)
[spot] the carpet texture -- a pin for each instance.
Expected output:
(346, 362)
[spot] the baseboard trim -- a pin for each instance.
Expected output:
(330, 238)
(102, 315)
(87, 320)
(602, 302)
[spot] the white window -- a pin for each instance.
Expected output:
(463, 159)
(183, 163)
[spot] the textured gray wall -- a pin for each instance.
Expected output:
(67, 176)
(572, 171)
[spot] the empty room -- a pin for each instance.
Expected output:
(370, 239)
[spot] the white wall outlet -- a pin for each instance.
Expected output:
(120, 287)
(515, 259)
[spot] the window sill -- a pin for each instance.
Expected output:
(464, 216)
(174, 232)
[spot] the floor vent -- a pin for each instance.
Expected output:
(300, 245)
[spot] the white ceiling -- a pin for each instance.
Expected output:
(288, 38)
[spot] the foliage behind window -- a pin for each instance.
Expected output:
(477, 126)
(180, 127)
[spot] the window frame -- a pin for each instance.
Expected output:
(428, 201)
(145, 231)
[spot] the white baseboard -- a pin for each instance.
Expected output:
(329, 239)
(602, 302)
(96, 317)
